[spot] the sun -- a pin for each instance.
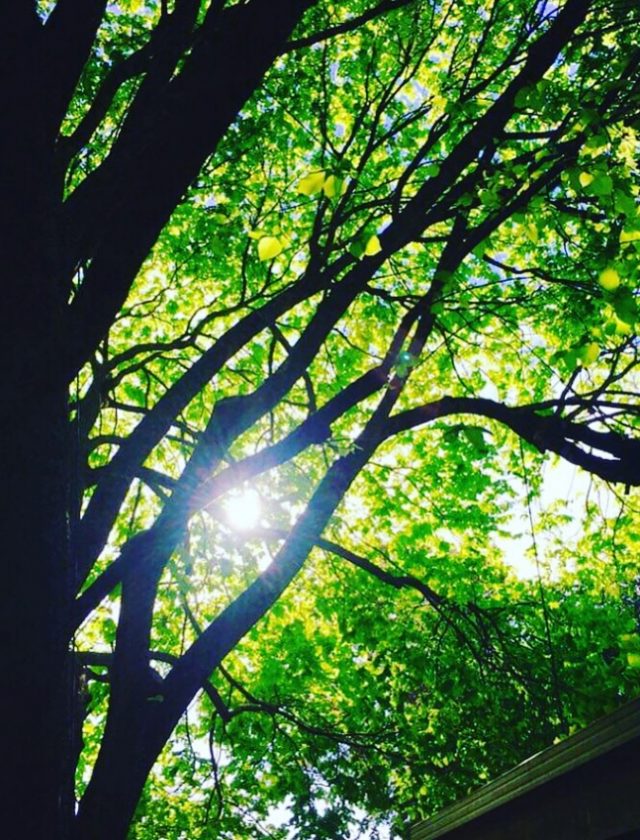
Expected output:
(243, 510)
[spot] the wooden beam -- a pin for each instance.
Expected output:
(585, 787)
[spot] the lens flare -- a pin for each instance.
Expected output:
(244, 510)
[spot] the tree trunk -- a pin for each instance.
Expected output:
(38, 782)
(110, 801)
(35, 464)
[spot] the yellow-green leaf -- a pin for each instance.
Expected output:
(629, 641)
(269, 247)
(589, 353)
(532, 232)
(621, 327)
(585, 179)
(633, 658)
(373, 246)
(333, 186)
(609, 279)
(629, 235)
(312, 183)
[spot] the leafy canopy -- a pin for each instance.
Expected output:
(371, 314)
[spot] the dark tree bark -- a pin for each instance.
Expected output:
(36, 457)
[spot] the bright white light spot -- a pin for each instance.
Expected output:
(243, 511)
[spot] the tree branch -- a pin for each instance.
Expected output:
(350, 25)
(116, 214)
(546, 433)
(69, 34)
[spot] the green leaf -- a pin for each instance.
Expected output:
(625, 305)
(357, 248)
(625, 204)
(522, 97)
(597, 141)
(629, 641)
(602, 185)
(475, 436)
(488, 198)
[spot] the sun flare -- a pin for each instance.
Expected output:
(243, 511)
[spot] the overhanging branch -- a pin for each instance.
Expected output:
(546, 432)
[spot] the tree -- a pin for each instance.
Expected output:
(326, 250)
